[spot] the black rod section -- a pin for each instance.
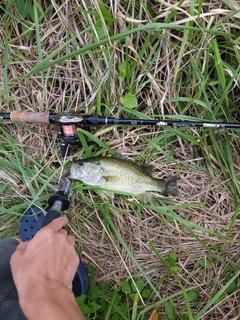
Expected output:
(52, 117)
(97, 120)
(5, 116)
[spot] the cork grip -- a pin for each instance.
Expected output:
(29, 117)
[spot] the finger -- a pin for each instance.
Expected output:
(71, 240)
(58, 224)
(63, 231)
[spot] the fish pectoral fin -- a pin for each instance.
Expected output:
(111, 179)
(147, 197)
(109, 194)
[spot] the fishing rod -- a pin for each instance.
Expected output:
(67, 123)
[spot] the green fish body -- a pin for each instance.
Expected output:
(121, 175)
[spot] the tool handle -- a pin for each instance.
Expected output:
(30, 117)
(50, 216)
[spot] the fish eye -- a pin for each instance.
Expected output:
(81, 163)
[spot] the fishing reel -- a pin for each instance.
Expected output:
(67, 124)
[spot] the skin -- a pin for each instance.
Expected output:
(43, 269)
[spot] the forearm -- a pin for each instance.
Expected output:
(50, 301)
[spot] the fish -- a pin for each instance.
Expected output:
(116, 174)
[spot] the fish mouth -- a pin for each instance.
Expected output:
(74, 170)
(73, 165)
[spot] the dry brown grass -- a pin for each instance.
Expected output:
(74, 84)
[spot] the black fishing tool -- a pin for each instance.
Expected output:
(67, 123)
(34, 219)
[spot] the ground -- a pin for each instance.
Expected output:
(136, 59)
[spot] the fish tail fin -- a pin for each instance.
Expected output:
(171, 186)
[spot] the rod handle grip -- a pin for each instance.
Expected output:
(50, 216)
(29, 117)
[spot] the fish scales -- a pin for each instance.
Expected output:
(129, 173)
(121, 175)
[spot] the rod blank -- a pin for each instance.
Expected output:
(95, 120)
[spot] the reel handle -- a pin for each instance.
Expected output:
(50, 216)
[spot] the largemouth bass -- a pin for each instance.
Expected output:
(121, 175)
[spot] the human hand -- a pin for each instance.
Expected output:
(48, 258)
(43, 269)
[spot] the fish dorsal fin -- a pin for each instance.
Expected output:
(121, 157)
(146, 167)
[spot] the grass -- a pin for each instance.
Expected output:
(177, 258)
